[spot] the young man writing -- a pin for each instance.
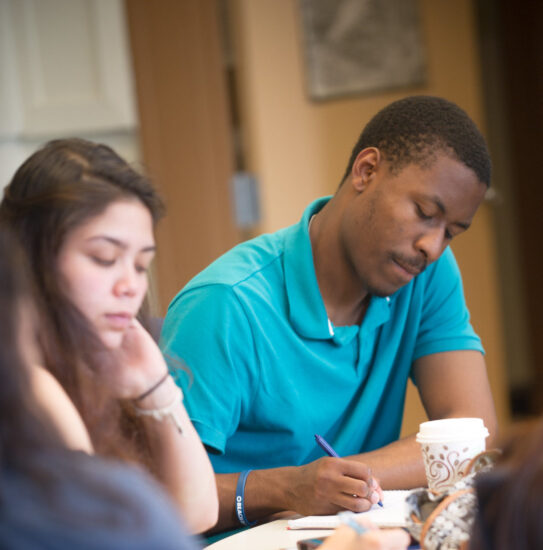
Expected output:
(317, 327)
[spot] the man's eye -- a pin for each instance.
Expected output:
(422, 214)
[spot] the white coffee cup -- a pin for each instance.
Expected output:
(448, 446)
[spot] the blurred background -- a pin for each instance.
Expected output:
(243, 111)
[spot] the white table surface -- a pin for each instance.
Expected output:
(269, 536)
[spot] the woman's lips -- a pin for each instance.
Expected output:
(119, 321)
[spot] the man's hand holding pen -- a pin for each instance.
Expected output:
(331, 484)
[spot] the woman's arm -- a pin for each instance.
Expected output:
(53, 400)
(180, 458)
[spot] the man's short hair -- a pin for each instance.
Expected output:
(414, 129)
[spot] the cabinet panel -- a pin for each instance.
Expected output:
(68, 67)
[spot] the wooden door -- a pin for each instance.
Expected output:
(185, 132)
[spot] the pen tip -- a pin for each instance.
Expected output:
(380, 503)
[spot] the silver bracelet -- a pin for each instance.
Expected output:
(168, 411)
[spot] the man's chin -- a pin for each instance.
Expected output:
(382, 291)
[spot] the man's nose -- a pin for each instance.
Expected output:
(431, 244)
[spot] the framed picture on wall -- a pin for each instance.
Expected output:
(360, 46)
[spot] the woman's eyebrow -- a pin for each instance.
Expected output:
(118, 243)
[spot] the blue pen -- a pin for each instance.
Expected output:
(326, 447)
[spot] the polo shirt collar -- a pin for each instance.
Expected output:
(306, 307)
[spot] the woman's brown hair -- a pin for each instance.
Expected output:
(62, 185)
(510, 497)
(22, 434)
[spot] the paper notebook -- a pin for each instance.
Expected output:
(392, 514)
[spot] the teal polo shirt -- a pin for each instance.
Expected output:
(268, 370)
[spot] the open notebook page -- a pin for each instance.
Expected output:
(392, 514)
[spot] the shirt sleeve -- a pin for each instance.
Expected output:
(445, 323)
(207, 330)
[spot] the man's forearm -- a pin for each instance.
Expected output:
(324, 486)
(399, 465)
(319, 487)
(266, 492)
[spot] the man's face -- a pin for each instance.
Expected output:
(397, 224)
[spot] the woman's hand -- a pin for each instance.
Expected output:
(345, 538)
(136, 365)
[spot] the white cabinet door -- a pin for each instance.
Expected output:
(64, 68)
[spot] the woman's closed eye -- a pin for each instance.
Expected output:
(142, 268)
(103, 261)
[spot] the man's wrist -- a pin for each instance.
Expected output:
(267, 492)
(279, 484)
(240, 499)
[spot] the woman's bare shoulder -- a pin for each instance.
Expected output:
(52, 398)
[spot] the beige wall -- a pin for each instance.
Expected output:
(299, 149)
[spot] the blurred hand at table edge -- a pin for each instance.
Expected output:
(346, 538)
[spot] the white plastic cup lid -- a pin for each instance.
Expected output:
(452, 429)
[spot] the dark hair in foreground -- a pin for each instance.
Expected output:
(510, 497)
(414, 129)
(50, 496)
(21, 432)
(62, 185)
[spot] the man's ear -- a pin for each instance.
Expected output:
(365, 166)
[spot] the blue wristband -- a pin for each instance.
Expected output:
(240, 496)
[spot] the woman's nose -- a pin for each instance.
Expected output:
(127, 284)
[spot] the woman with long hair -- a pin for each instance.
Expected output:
(510, 496)
(86, 221)
(52, 497)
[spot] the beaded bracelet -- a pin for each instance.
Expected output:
(168, 411)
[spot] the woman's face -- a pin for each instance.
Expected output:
(104, 263)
